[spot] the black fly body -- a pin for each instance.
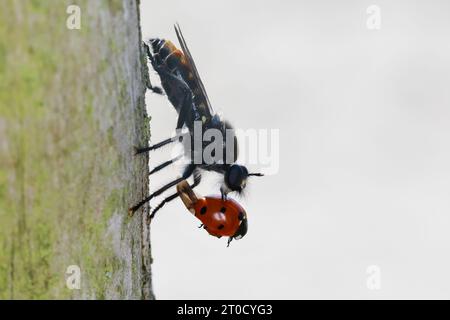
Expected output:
(185, 90)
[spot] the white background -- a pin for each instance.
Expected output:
(364, 157)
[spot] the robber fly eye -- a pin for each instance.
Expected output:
(236, 177)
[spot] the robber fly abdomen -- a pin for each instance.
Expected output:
(171, 65)
(174, 67)
(167, 56)
(186, 92)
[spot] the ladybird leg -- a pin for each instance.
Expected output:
(197, 179)
(229, 241)
(165, 164)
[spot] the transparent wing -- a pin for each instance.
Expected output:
(197, 80)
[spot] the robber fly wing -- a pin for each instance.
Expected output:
(191, 62)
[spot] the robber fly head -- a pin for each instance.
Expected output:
(236, 177)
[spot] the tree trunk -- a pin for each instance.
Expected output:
(71, 110)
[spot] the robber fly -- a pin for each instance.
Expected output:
(186, 92)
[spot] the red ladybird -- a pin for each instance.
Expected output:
(219, 217)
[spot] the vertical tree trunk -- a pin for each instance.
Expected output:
(71, 109)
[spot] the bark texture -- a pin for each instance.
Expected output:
(71, 110)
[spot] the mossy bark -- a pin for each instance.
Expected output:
(71, 110)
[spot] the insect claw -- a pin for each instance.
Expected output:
(200, 226)
(137, 150)
(157, 90)
(150, 218)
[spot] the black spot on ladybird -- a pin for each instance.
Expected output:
(223, 209)
(221, 227)
(203, 210)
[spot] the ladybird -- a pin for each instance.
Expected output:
(219, 217)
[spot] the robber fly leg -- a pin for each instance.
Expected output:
(186, 107)
(223, 194)
(197, 179)
(178, 82)
(150, 56)
(168, 199)
(156, 146)
(186, 174)
(155, 89)
(165, 164)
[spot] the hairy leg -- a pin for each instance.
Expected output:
(186, 174)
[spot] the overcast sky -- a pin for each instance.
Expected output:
(364, 120)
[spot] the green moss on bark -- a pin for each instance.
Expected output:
(71, 110)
